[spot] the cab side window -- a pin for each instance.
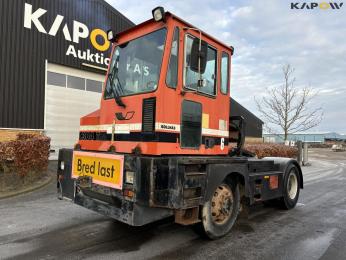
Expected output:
(224, 73)
(191, 77)
(172, 73)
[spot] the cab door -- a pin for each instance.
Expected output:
(200, 112)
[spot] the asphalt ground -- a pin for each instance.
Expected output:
(39, 226)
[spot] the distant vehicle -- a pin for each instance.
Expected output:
(158, 145)
(338, 148)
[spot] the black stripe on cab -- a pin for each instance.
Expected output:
(164, 137)
(132, 136)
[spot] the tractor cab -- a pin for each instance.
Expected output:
(166, 92)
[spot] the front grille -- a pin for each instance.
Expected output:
(148, 117)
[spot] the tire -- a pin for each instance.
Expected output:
(221, 211)
(291, 188)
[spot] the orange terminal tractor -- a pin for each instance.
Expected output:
(159, 143)
(152, 102)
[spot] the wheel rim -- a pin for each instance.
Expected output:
(292, 185)
(222, 204)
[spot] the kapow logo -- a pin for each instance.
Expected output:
(314, 5)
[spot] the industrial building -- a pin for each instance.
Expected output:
(54, 56)
(253, 125)
(317, 137)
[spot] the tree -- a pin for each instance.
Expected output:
(288, 107)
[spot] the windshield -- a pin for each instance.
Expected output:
(135, 65)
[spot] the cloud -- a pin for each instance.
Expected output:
(244, 11)
(266, 35)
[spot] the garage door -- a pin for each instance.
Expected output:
(70, 94)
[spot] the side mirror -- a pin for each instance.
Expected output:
(198, 58)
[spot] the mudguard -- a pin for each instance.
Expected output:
(217, 173)
(283, 163)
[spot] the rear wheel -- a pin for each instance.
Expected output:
(291, 188)
(220, 212)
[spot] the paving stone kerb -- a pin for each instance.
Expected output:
(34, 186)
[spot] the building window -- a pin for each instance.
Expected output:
(224, 73)
(191, 77)
(75, 82)
(172, 74)
(56, 79)
(94, 86)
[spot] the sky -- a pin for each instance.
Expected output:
(266, 35)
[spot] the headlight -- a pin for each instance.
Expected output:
(129, 177)
(62, 165)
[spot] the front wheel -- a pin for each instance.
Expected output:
(220, 212)
(291, 188)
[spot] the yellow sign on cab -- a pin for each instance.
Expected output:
(104, 169)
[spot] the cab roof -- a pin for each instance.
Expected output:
(173, 16)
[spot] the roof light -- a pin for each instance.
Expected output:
(158, 14)
(110, 36)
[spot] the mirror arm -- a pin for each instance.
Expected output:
(200, 81)
(199, 57)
